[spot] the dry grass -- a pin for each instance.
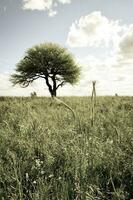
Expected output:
(47, 154)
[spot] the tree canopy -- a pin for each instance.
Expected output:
(49, 61)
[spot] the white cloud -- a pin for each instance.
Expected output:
(37, 4)
(124, 53)
(110, 79)
(46, 5)
(94, 29)
(126, 43)
(113, 71)
(52, 13)
(64, 1)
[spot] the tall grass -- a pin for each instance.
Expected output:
(46, 154)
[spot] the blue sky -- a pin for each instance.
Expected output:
(98, 32)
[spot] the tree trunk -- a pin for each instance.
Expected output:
(54, 87)
(51, 90)
(54, 93)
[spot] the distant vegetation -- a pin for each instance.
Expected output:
(33, 94)
(47, 154)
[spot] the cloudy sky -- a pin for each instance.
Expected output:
(98, 32)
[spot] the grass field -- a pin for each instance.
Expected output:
(47, 154)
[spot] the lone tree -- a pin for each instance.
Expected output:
(49, 61)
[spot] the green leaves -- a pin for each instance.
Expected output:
(49, 61)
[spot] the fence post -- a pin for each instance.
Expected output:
(93, 100)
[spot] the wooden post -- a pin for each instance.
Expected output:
(93, 99)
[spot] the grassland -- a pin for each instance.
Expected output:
(46, 154)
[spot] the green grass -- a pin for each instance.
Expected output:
(46, 154)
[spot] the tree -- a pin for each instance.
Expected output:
(33, 94)
(49, 61)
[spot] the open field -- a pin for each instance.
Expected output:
(46, 154)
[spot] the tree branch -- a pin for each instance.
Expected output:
(61, 84)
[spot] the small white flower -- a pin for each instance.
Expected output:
(38, 162)
(111, 141)
(34, 182)
(42, 172)
(90, 138)
(51, 175)
(27, 175)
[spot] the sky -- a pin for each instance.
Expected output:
(99, 33)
